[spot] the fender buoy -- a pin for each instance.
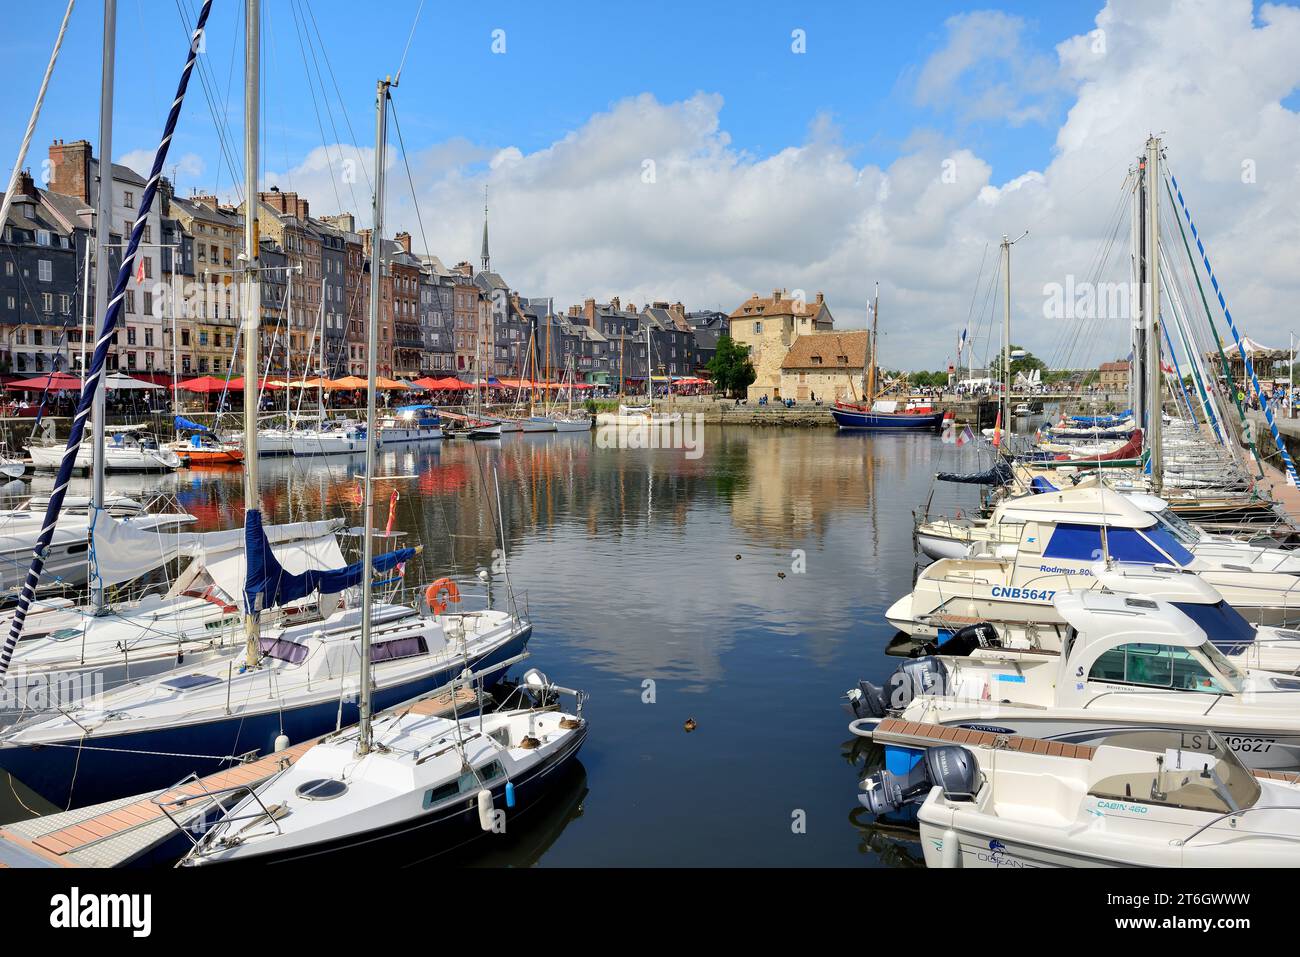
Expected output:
(433, 595)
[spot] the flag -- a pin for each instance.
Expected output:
(997, 431)
(966, 435)
(139, 272)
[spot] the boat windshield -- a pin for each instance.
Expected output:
(1230, 675)
(1224, 625)
(1178, 527)
(1187, 769)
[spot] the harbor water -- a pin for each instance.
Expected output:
(740, 586)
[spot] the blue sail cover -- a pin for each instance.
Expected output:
(1040, 485)
(267, 580)
(999, 474)
(1102, 419)
(186, 425)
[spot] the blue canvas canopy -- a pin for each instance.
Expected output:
(1102, 419)
(268, 585)
(186, 425)
(1041, 485)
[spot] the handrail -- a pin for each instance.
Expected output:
(208, 794)
(1183, 842)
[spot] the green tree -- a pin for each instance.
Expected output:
(730, 366)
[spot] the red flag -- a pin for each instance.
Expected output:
(392, 513)
(139, 273)
(997, 431)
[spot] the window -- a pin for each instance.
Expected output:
(128, 199)
(130, 335)
(1154, 666)
(47, 302)
(44, 270)
(42, 237)
(148, 308)
(65, 304)
(758, 328)
(130, 302)
(283, 650)
(9, 268)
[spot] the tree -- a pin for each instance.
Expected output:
(730, 366)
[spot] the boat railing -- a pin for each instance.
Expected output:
(1242, 812)
(173, 804)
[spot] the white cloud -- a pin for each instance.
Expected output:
(188, 166)
(713, 224)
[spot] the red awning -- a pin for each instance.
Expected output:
(204, 383)
(54, 381)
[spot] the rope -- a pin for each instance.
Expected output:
(1292, 478)
(96, 371)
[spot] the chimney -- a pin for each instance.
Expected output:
(463, 268)
(27, 186)
(404, 240)
(344, 221)
(365, 240)
(301, 210)
(615, 304)
(207, 199)
(165, 193)
(589, 311)
(70, 169)
(776, 294)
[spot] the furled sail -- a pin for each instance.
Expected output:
(268, 584)
(999, 474)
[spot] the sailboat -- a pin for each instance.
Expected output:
(641, 415)
(289, 682)
(876, 412)
(568, 420)
(402, 775)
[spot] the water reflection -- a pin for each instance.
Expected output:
(744, 589)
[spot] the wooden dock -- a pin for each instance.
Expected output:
(117, 833)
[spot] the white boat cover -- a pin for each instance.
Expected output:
(124, 552)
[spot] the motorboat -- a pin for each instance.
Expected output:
(411, 423)
(331, 438)
(953, 538)
(1065, 537)
(1265, 647)
(437, 780)
(1127, 663)
(127, 448)
(1137, 799)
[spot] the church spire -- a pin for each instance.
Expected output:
(486, 259)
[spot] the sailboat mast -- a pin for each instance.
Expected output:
(368, 537)
(873, 338)
(1151, 309)
(103, 232)
(1006, 333)
(252, 301)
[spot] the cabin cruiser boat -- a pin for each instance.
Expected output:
(441, 781)
(1137, 799)
(1127, 663)
(1063, 535)
(331, 438)
(953, 538)
(69, 651)
(1263, 647)
(411, 423)
(127, 448)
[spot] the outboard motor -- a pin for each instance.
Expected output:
(963, 641)
(914, 676)
(951, 767)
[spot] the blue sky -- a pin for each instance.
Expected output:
(826, 170)
(563, 62)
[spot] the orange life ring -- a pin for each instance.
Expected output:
(433, 594)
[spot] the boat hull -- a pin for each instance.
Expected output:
(887, 421)
(396, 435)
(442, 831)
(107, 767)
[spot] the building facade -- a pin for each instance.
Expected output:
(769, 327)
